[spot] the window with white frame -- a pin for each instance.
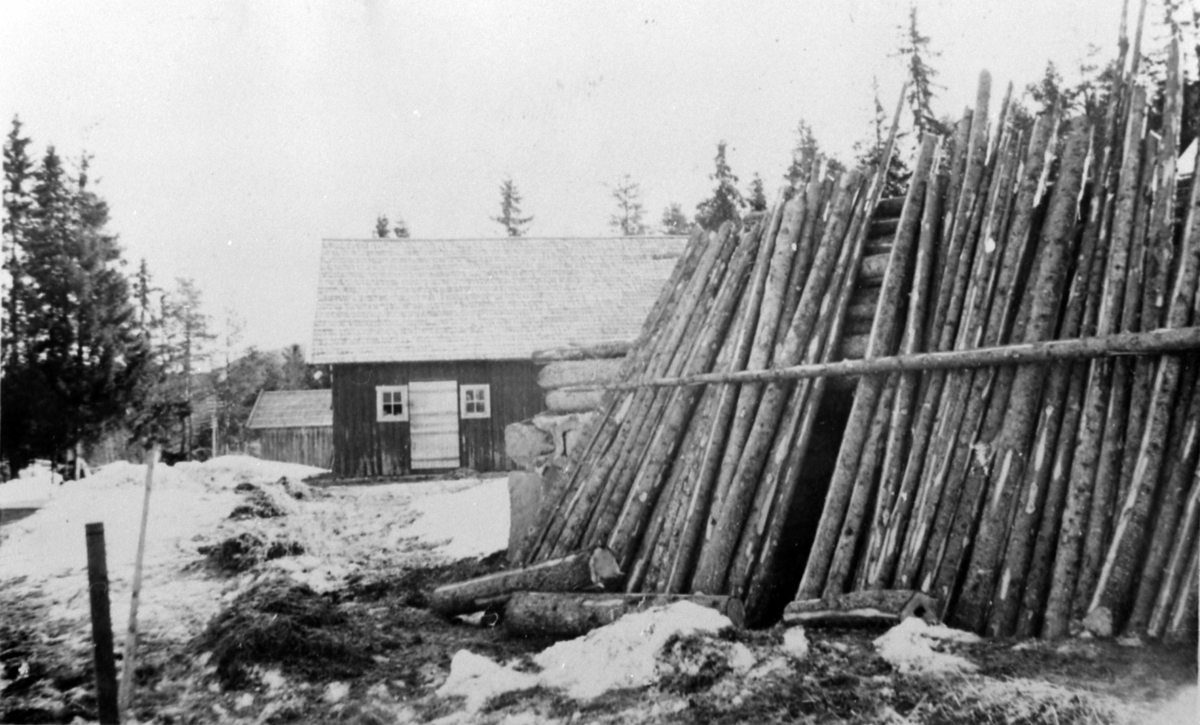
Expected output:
(475, 401)
(391, 403)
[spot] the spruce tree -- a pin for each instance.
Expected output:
(758, 195)
(674, 221)
(628, 220)
(400, 228)
(804, 153)
(510, 210)
(870, 150)
(916, 52)
(82, 356)
(18, 201)
(726, 202)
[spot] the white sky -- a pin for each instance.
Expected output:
(231, 137)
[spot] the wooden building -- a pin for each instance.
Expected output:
(430, 341)
(295, 426)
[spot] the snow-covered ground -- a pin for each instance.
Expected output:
(45, 553)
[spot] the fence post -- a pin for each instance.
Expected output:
(102, 636)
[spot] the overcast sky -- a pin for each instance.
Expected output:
(231, 137)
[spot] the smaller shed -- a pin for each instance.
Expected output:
(294, 426)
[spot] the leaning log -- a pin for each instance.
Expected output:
(558, 614)
(594, 570)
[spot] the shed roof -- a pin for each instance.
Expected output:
(292, 409)
(483, 299)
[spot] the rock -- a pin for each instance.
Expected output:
(525, 491)
(527, 445)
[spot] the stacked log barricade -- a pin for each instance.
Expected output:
(1021, 446)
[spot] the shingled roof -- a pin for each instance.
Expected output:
(292, 409)
(483, 299)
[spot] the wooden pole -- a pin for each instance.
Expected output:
(129, 664)
(1153, 342)
(1129, 526)
(753, 567)
(857, 484)
(630, 523)
(1059, 413)
(1185, 439)
(895, 501)
(999, 485)
(599, 437)
(1112, 313)
(1182, 543)
(102, 636)
(732, 501)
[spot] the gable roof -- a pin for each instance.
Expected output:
(292, 409)
(393, 300)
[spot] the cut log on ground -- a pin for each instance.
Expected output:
(866, 608)
(598, 351)
(557, 614)
(594, 570)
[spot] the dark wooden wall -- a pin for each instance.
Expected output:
(312, 446)
(364, 447)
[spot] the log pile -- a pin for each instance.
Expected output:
(1026, 492)
(1029, 499)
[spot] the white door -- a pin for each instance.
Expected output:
(433, 424)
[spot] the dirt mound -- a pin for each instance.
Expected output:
(259, 505)
(246, 550)
(278, 622)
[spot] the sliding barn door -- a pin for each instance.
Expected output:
(433, 424)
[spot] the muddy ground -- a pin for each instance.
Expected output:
(318, 614)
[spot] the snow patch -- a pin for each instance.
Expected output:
(795, 643)
(187, 500)
(466, 523)
(624, 654)
(909, 647)
(479, 679)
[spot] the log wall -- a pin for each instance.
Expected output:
(308, 445)
(363, 447)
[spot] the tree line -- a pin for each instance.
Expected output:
(90, 351)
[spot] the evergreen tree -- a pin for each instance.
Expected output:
(870, 150)
(385, 227)
(18, 202)
(296, 373)
(185, 335)
(630, 213)
(81, 356)
(758, 195)
(916, 52)
(510, 210)
(674, 221)
(726, 202)
(803, 154)
(400, 229)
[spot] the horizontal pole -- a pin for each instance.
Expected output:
(1155, 342)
